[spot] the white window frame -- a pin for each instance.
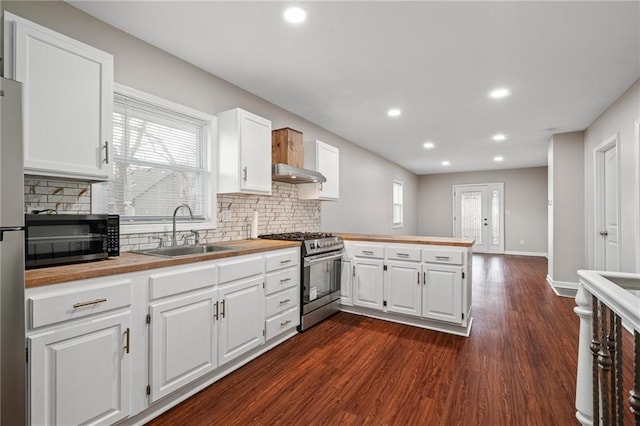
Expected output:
(397, 225)
(211, 185)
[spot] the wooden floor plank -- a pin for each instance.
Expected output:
(518, 366)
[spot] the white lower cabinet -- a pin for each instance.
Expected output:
(403, 289)
(346, 283)
(79, 360)
(183, 341)
(241, 317)
(367, 283)
(430, 284)
(442, 293)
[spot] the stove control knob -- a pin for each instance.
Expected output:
(320, 244)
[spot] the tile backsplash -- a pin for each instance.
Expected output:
(280, 212)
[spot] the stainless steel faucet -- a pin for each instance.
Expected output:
(175, 240)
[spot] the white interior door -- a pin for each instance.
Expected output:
(607, 219)
(479, 213)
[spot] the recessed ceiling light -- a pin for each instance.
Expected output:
(445, 163)
(499, 93)
(428, 145)
(499, 137)
(498, 158)
(295, 15)
(394, 112)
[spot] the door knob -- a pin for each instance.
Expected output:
(604, 233)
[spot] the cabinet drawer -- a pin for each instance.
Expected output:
(404, 253)
(72, 304)
(366, 250)
(434, 255)
(282, 322)
(280, 280)
(282, 301)
(240, 268)
(183, 280)
(282, 260)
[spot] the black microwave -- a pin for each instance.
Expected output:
(56, 239)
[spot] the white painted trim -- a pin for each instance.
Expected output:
(637, 206)
(526, 253)
(598, 189)
(555, 285)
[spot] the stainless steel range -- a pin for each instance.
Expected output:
(320, 274)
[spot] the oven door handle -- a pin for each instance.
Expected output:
(323, 259)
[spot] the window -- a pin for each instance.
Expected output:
(398, 213)
(161, 159)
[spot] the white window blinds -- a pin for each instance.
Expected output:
(159, 161)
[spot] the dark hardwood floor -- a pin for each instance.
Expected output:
(517, 368)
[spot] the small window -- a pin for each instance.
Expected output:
(398, 210)
(160, 156)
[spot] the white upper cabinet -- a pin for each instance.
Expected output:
(244, 153)
(67, 101)
(325, 159)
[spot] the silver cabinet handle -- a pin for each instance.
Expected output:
(244, 174)
(285, 280)
(222, 309)
(424, 278)
(354, 270)
(106, 152)
(215, 315)
(418, 277)
(282, 324)
(282, 302)
(282, 262)
(367, 252)
(443, 258)
(90, 302)
(402, 254)
(321, 187)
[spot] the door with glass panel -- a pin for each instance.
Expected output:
(478, 213)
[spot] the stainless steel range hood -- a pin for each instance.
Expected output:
(285, 173)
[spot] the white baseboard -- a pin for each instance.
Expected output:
(526, 253)
(555, 285)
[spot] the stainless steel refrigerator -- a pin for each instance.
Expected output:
(12, 326)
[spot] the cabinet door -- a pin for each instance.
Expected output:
(255, 155)
(367, 286)
(442, 293)
(328, 160)
(346, 283)
(80, 374)
(241, 317)
(67, 103)
(182, 341)
(403, 288)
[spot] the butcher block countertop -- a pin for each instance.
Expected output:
(133, 262)
(409, 239)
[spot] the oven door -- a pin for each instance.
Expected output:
(321, 280)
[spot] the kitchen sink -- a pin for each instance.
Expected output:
(185, 250)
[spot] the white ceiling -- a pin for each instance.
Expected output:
(342, 69)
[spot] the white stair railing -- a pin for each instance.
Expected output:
(605, 301)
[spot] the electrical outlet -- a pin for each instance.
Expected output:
(521, 242)
(226, 216)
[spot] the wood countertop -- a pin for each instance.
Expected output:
(133, 262)
(408, 239)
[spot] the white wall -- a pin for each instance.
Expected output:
(525, 198)
(365, 184)
(619, 118)
(566, 208)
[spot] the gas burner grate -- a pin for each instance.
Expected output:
(297, 236)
